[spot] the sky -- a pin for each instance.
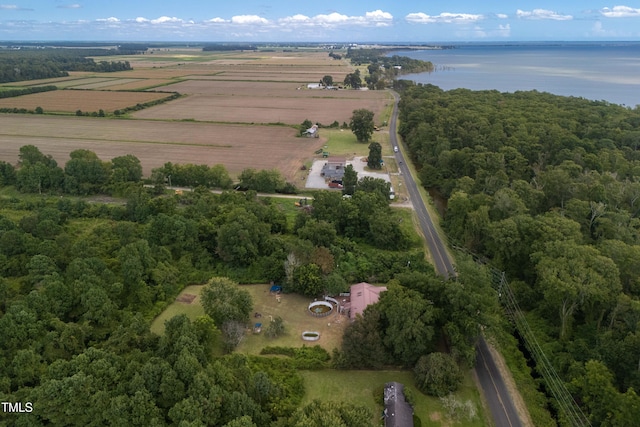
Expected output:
(355, 21)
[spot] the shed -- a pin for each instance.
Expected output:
(397, 411)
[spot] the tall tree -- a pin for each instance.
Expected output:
(349, 180)
(374, 161)
(573, 277)
(223, 300)
(362, 125)
(353, 80)
(408, 324)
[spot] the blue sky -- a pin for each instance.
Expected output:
(324, 20)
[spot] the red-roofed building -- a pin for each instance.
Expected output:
(362, 295)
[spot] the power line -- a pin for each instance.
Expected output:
(568, 409)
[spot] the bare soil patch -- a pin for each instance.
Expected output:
(186, 298)
(269, 89)
(262, 110)
(106, 83)
(68, 101)
(88, 81)
(139, 84)
(155, 143)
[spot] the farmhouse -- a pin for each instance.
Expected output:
(362, 295)
(333, 168)
(397, 411)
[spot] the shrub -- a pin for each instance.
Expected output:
(437, 374)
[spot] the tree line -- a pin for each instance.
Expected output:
(21, 65)
(80, 281)
(546, 188)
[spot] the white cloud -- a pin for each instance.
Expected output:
(504, 30)
(378, 15)
(110, 19)
(296, 19)
(620, 12)
(13, 7)
(249, 20)
(375, 18)
(502, 15)
(70, 6)
(218, 20)
(445, 17)
(332, 18)
(538, 14)
(166, 19)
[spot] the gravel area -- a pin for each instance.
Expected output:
(314, 180)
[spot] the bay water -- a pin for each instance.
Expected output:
(607, 71)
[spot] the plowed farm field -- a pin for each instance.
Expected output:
(69, 101)
(238, 110)
(258, 109)
(235, 146)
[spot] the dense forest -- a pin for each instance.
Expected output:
(80, 281)
(33, 64)
(547, 189)
(379, 56)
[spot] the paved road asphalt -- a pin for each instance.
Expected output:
(495, 392)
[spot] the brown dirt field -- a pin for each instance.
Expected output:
(261, 110)
(137, 84)
(83, 82)
(225, 87)
(268, 90)
(106, 84)
(69, 101)
(295, 78)
(172, 72)
(155, 143)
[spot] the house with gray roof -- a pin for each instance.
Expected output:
(334, 168)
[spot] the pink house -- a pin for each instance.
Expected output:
(362, 295)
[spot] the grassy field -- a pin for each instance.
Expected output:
(358, 387)
(192, 310)
(293, 310)
(291, 307)
(365, 388)
(342, 142)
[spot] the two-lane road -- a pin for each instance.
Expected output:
(496, 394)
(440, 258)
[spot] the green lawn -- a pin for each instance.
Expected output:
(291, 307)
(342, 142)
(192, 310)
(365, 388)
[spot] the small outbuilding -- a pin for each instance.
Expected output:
(397, 411)
(312, 132)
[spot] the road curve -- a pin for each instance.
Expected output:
(496, 394)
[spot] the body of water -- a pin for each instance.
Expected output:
(605, 71)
